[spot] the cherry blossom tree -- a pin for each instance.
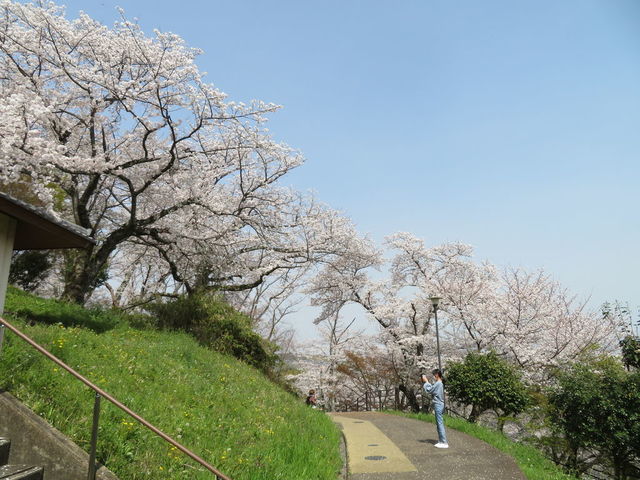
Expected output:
(525, 317)
(272, 303)
(339, 338)
(404, 323)
(120, 131)
(344, 365)
(540, 325)
(138, 276)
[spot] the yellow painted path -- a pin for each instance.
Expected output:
(370, 450)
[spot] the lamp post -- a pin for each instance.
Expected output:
(435, 301)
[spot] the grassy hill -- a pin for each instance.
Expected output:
(220, 408)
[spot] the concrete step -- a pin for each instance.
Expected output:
(5, 446)
(21, 472)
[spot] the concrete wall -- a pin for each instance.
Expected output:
(35, 442)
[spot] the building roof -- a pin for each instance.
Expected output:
(38, 229)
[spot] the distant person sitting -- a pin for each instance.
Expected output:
(311, 398)
(436, 390)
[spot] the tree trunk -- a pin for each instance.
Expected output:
(475, 413)
(619, 467)
(74, 292)
(501, 420)
(411, 398)
(572, 460)
(74, 276)
(82, 272)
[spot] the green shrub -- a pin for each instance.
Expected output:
(596, 405)
(487, 382)
(216, 325)
(631, 351)
(29, 268)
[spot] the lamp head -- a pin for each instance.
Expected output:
(435, 301)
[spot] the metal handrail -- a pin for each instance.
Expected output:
(101, 393)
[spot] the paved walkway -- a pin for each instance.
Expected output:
(384, 447)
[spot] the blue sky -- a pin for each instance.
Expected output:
(511, 126)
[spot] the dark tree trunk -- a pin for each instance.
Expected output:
(85, 268)
(573, 464)
(501, 422)
(77, 278)
(83, 272)
(74, 292)
(475, 413)
(410, 395)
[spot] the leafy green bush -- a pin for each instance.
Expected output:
(596, 405)
(486, 382)
(631, 351)
(216, 325)
(34, 309)
(29, 268)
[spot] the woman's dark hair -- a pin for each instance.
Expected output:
(436, 371)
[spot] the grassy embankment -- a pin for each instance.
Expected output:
(531, 461)
(223, 410)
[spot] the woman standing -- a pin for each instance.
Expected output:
(436, 390)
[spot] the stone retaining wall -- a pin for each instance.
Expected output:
(35, 442)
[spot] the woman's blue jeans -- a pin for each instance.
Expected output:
(438, 409)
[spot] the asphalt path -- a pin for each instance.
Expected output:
(384, 447)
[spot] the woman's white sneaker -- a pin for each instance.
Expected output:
(441, 445)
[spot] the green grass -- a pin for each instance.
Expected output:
(531, 461)
(40, 310)
(222, 409)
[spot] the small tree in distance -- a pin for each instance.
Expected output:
(487, 382)
(630, 343)
(631, 351)
(29, 268)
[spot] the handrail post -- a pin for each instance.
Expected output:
(1, 335)
(94, 438)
